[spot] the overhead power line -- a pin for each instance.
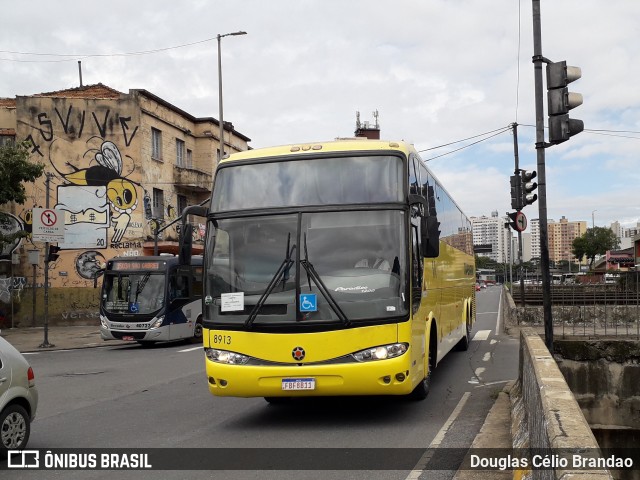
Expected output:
(74, 56)
(496, 132)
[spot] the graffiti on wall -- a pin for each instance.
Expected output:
(11, 285)
(108, 202)
(10, 224)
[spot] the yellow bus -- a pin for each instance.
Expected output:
(337, 268)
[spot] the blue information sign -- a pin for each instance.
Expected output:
(308, 302)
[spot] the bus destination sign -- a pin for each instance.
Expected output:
(122, 266)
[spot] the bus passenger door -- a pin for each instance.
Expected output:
(178, 307)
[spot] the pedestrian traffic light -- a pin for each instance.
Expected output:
(560, 100)
(527, 187)
(516, 189)
(53, 253)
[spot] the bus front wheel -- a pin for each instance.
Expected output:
(197, 332)
(421, 390)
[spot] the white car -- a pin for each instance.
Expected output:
(18, 398)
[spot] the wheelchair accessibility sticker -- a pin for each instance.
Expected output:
(308, 302)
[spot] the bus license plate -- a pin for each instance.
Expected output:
(127, 338)
(298, 384)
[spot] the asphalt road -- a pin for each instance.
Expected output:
(130, 396)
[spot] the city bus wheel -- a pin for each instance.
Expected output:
(197, 332)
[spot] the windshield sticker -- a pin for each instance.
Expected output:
(308, 302)
(134, 307)
(231, 302)
(391, 308)
(358, 289)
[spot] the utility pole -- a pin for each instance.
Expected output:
(45, 343)
(538, 60)
(517, 172)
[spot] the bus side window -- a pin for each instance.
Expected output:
(178, 287)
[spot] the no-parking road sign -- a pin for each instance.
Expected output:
(48, 225)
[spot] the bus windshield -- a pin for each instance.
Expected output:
(133, 293)
(353, 263)
(322, 181)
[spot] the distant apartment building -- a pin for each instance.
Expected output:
(492, 231)
(560, 236)
(120, 167)
(625, 235)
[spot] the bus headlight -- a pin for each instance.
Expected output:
(223, 356)
(381, 353)
(103, 322)
(157, 323)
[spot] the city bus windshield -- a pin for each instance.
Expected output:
(133, 293)
(306, 268)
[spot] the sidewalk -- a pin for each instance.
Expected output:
(59, 338)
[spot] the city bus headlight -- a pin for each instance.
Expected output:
(223, 356)
(157, 323)
(381, 353)
(103, 322)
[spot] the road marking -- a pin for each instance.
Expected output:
(486, 357)
(499, 315)
(493, 383)
(437, 440)
(190, 349)
(481, 335)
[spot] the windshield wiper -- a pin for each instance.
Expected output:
(281, 273)
(141, 284)
(313, 275)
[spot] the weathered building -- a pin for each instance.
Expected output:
(120, 167)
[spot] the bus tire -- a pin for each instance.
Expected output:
(197, 331)
(463, 344)
(421, 390)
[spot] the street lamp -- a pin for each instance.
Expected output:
(220, 119)
(593, 219)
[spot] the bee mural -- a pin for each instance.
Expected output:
(27, 219)
(107, 172)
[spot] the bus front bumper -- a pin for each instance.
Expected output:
(382, 377)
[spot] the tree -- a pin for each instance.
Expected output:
(15, 170)
(596, 241)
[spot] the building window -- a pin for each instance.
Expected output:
(189, 159)
(7, 140)
(156, 144)
(180, 153)
(158, 204)
(182, 203)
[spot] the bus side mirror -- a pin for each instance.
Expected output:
(95, 277)
(186, 243)
(430, 232)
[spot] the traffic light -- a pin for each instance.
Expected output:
(527, 187)
(516, 189)
(560, 100)
(53, 253)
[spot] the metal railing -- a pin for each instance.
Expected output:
(609, 307)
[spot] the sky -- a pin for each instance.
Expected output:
(449, 76)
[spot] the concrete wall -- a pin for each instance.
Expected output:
(552, 418)
(603, 376)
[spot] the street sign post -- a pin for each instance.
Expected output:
(48, 225)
